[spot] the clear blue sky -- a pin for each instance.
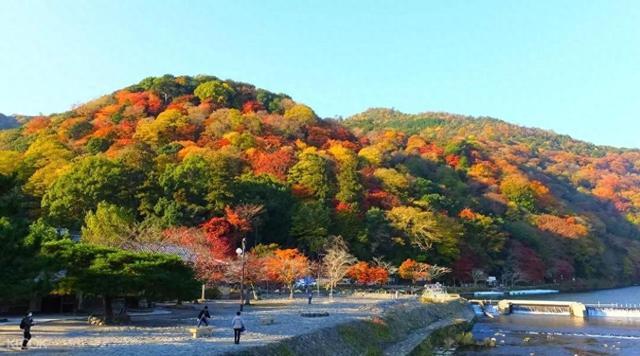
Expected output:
(569, 66)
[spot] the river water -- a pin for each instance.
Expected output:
(528, 334)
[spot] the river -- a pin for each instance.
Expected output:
(527, 334)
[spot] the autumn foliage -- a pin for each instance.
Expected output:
(190, 155)
(568, 227)
(285, 266)
(413, 270)
(366, 274)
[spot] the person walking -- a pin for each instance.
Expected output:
(309, 296)
(204, 316)
(25, 324)
(238, 327)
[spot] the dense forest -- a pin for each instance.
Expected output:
(178, 163)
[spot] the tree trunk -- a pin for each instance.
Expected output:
(291, 291)
(253, 290)
(108, 308)
(80, 305)
(331, 291)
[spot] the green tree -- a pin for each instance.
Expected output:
(309, 225)
(90, 181)
(312, 172)
(17, 274)
(110, 273)
(96, 145)
(166, 87)
(12, 200)
(270, 101)
(197, 187)
(109, 225)
(217, 91)
(349, 186)
(79, 130)
(20, 248)
(378, 232)
(277, 201)
(348, 223)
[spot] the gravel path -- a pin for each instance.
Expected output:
(166, 334)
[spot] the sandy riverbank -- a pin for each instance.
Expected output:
(165, 333)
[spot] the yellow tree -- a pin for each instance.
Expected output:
(9, 161)
(44, 177)
(301, 114)
(162, 129)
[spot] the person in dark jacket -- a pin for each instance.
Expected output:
(204, 316)
(25, 324)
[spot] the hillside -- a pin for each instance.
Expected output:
(524, 204)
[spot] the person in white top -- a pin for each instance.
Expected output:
(238, 327)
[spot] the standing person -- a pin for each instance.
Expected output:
(204, 316)
(309, 295)
(238, 327)
(25, 324)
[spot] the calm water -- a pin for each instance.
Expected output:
(522, 334)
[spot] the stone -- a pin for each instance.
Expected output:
(206, 331)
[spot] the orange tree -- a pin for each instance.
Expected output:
(285, 266)
(359, 272)
(363, 273)
(378, 275)
(413, 270)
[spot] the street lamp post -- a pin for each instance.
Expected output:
(241, 253)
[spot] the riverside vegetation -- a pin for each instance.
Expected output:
(157, 176)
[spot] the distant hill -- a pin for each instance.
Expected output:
(8, 122)
(524, 204)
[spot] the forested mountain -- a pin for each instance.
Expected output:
(172, 153)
